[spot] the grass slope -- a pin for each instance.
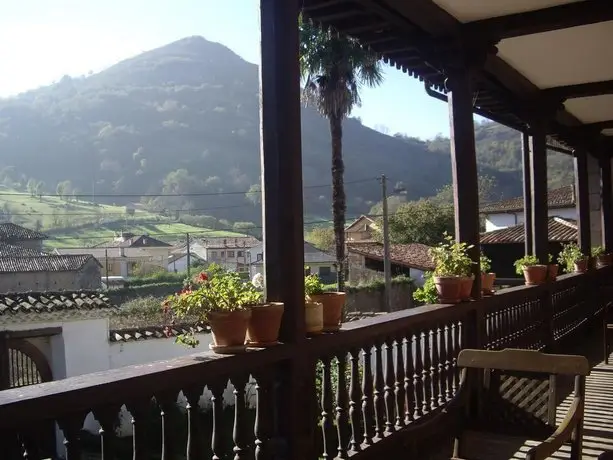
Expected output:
(82, 223)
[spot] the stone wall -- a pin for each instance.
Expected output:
(366, 299)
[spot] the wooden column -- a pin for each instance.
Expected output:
(281, 159)
(464, 165)
(527, 185)
(538, 191)
(5, 378)
(282, 163)
(606, 208)
(582, 193)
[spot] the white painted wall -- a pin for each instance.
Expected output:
(509, 219)
(417, 276)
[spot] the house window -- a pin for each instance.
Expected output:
(240, 254)
(222, 254)
(325, 271)
(231, 254)
(260, 256)
(213, 254)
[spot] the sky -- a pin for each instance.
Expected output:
(43, 40)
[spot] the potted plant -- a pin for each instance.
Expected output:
(427, 294)
(573, 259)
(265, 321)
(601, 258)
(534, 272)
(552, 272)
(452, 267)
(487, 278)
(222, 299)
(332, 302)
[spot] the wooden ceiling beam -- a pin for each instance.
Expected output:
(313, 5)
(596, 88)
(545, 20)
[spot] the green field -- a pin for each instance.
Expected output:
(81, 223)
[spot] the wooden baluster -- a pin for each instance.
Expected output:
(399, 382)
(217, 390)
(434, 368)
(71, 427)
(239, 432)
(326, 408)
(167, 403)
(367, 397)
(441, 353)
(378, 393)
(139, 410)
(409, 396)
(355, 396)
(389, 386)
(457, 331)
(342, 399)
(426, 377)
(449, 361)
(194, 446)
(417, 376)
(263, 417)
(107, 416)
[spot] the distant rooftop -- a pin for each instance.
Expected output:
(12, 250)
(10, 233)
(44, 263)
(237, 242)
(130, 240)
(413, 255)
(559, 230)
(563, 197)
(53, 302)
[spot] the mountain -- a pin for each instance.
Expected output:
(184, 119)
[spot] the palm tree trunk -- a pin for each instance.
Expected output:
(338, 196)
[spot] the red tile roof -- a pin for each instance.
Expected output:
(563, 197)
(413, 255)
(559, 230)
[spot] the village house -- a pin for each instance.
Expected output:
(232, 253)
(366, 261)
(561, 202)
(20, 236)
(361, 230)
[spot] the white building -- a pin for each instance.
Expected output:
(508, 213)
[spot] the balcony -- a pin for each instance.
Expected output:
(365, 392)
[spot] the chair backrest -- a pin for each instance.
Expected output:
(524, 361)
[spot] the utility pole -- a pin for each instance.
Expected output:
(106, 266)
(387, 269)
(189, 261)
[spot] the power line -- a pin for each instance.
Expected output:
(152, 195)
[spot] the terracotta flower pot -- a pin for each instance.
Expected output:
(314, 317)
(333, 303)
(603, 260)
(466, 286)
(448, 288)
(487, 282)
(581, 266)
(535, 274)
(264, 324)
(552, 272)
(229, 330)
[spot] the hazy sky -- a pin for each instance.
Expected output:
(42, 40)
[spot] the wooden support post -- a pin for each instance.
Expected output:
(5, 379)
(281, 159)
(606, 208)
(464, 166)
(538, 191)
(527, 184)
(582, 192)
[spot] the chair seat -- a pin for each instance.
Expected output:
(479, 445)
(610, 326)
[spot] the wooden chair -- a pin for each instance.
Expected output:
(506, 404)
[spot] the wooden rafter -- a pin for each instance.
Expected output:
(581, 90)
(546, 19)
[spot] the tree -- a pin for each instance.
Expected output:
(422, 221)
(63, 189)
(322, 238)
(254, 194)
(487, 186)
(334, 68)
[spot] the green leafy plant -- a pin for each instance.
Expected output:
(426, 294)
(313, 285)
(485, 262)
(569, 255)
(550, 258)
(526, 261)
(451, 258)
(597, 251)
(216, 290)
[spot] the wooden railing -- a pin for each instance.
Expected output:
(373, 384)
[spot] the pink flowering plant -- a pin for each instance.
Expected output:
(213, 291)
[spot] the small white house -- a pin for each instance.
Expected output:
(561, 202)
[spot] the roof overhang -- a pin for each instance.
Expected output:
(551, 57)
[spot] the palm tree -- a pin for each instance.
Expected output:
(334, 68)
